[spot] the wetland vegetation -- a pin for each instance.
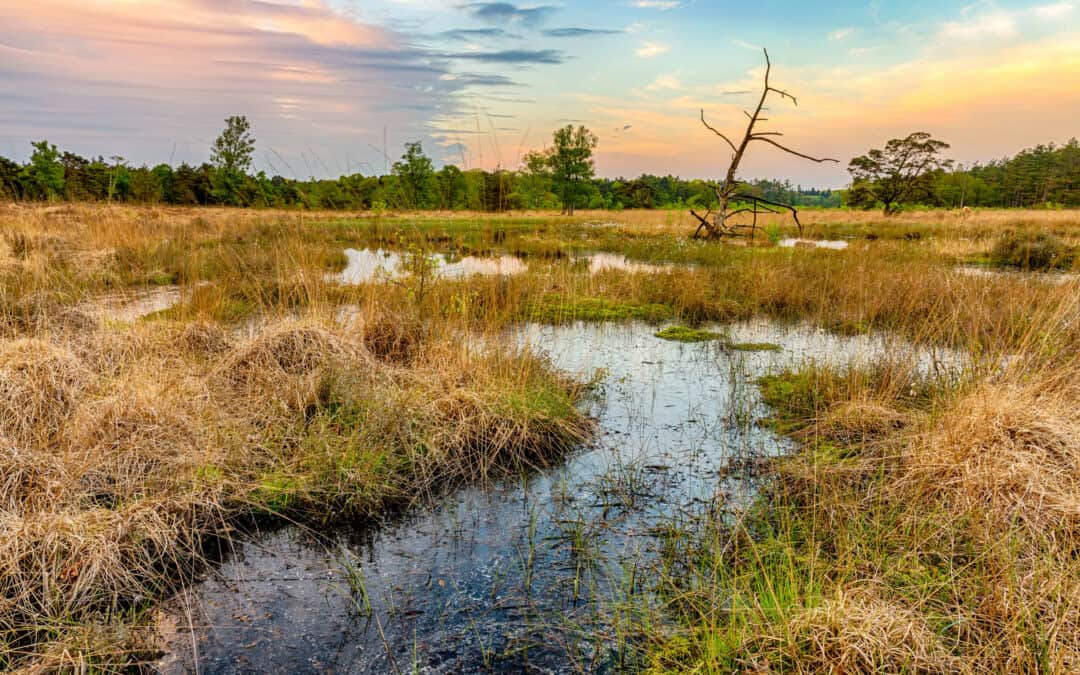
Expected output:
(474, 443)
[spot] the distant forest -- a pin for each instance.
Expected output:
(1040, 177)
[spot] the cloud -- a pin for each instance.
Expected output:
(1055, 11)
(651, 50)
(546, 56)
(841, 34)
(167, 72)
(663, 5)
(577, 32)
(466, 34)
(506, 13)
(490, 81)
(993, 24)
(669, 81)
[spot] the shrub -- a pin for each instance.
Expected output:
(1032, 251)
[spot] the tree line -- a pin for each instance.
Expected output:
(914, 171)
(906, 171)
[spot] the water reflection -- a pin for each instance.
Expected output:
(834, 244)
(380, 265)
(518, 578)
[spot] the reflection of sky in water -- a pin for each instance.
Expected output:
(835, 244)
(601, 262)
(129, 307)
(380, 265)
(1033, 276)
(487, 571)
(368, 265)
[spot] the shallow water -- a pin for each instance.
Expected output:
(1056, 278)
(834, 244)
(516, 578)
(602, 262)
(132, 306)
(381, 265)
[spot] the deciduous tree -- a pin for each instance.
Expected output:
(230, 156)
(45, 171)
(415, 175)
(900, 172)
(572, 167)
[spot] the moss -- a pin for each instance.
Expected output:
(160, 278)
(755, 347)
(597, 310)
(795, 397)
(684, 334)
(276, 492)
(849, 327)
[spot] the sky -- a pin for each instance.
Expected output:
(338, 86)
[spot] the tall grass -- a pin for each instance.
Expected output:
(923, 527)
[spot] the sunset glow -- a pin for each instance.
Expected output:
(481, 83)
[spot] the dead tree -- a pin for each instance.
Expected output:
(733, 203)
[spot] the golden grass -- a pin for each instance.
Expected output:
(928, 529)
(125, 451)
(1008, 451)
(855, 631)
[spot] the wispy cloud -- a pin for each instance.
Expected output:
(506, 13)
(1055, 11)
(669, 81)
(662, 5)
(547, 56)
(651, 50)
(993, 24)
(167, 72)
(577, 32)
(477, 34)
(841, 34)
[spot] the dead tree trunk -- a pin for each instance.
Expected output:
(722, 223)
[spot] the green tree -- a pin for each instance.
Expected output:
(533, 189)
(230, 156)
(902, 172)
(416, 178)
(9, 179)
(45, 171)
(453, 188)
(572, 165)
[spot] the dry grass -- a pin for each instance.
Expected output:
(857, 632)
(126, 450)
(1009, 451)
(928, 529)
(40, 385)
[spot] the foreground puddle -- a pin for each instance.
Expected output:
(132, 306)
(380, 265)
(521, 577)
(834, 244)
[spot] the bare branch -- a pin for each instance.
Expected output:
(793, 152)
(721, 224)
(707, 126)
(705, 224)
(784, 94)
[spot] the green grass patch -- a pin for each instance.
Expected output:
(754, 347)
(684, 334)
(596, 310)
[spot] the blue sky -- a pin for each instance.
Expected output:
(480, 83)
